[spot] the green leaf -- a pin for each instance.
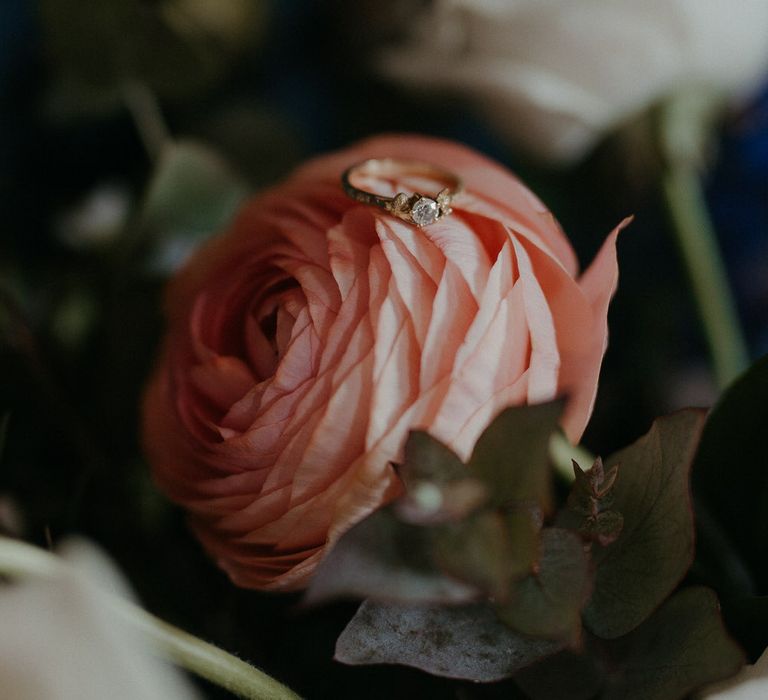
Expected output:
(512, 455)
(730, 475)
(683, 646)
(439, 487)
(384, 558)
(524, 527)
(192, 195)
(427, 503)
(444, 523)
(480, 551)
(548, 603)
(680, 648)
(427, 459)
(654, 551)
(465, 642)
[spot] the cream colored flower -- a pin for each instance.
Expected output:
(554, 75)
(61, 639)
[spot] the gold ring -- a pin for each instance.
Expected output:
(414, 208)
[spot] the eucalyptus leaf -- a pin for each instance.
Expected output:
(683, 646)
(465, 642)
(439, 487)
(427, 503)
(730, 475)
(524, 526)
(384, 558)
(192, 195)
(640, 569)
(680, 648)
(400, 553)
(480, 551)
(512, 455)
(548, 603)
(428, 459)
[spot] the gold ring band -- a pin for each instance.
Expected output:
(416, 208)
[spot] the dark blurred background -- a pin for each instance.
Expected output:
(96, 211)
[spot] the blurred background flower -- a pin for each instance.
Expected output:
(62, 641)
(554, 76)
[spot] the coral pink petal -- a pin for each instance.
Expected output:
(598, 285)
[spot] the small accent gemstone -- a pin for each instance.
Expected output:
(424, 211)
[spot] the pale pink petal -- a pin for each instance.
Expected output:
(487, 371)
(335, 444)
(415, 288)
(461, 245)
(453, 311)
(545, 357)
(395, 373)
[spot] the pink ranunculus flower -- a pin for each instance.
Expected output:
(305, 343)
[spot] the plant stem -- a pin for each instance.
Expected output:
(202, 658)
(20, 560)
(562, 454)
(147, 117)
(697, 241)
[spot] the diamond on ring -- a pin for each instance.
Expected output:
(425, 211)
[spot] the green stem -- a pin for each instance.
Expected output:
(147, 116)
(19, 560)
(202, 658)
(697, 242)
(562, 454)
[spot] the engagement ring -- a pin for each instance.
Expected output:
(415, 208)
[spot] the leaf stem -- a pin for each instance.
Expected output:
(697, 242)
(561, 452)
(20, 560)
(202, 658)
(148, 118)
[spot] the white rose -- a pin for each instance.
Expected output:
(554, 75)
(62, 640)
